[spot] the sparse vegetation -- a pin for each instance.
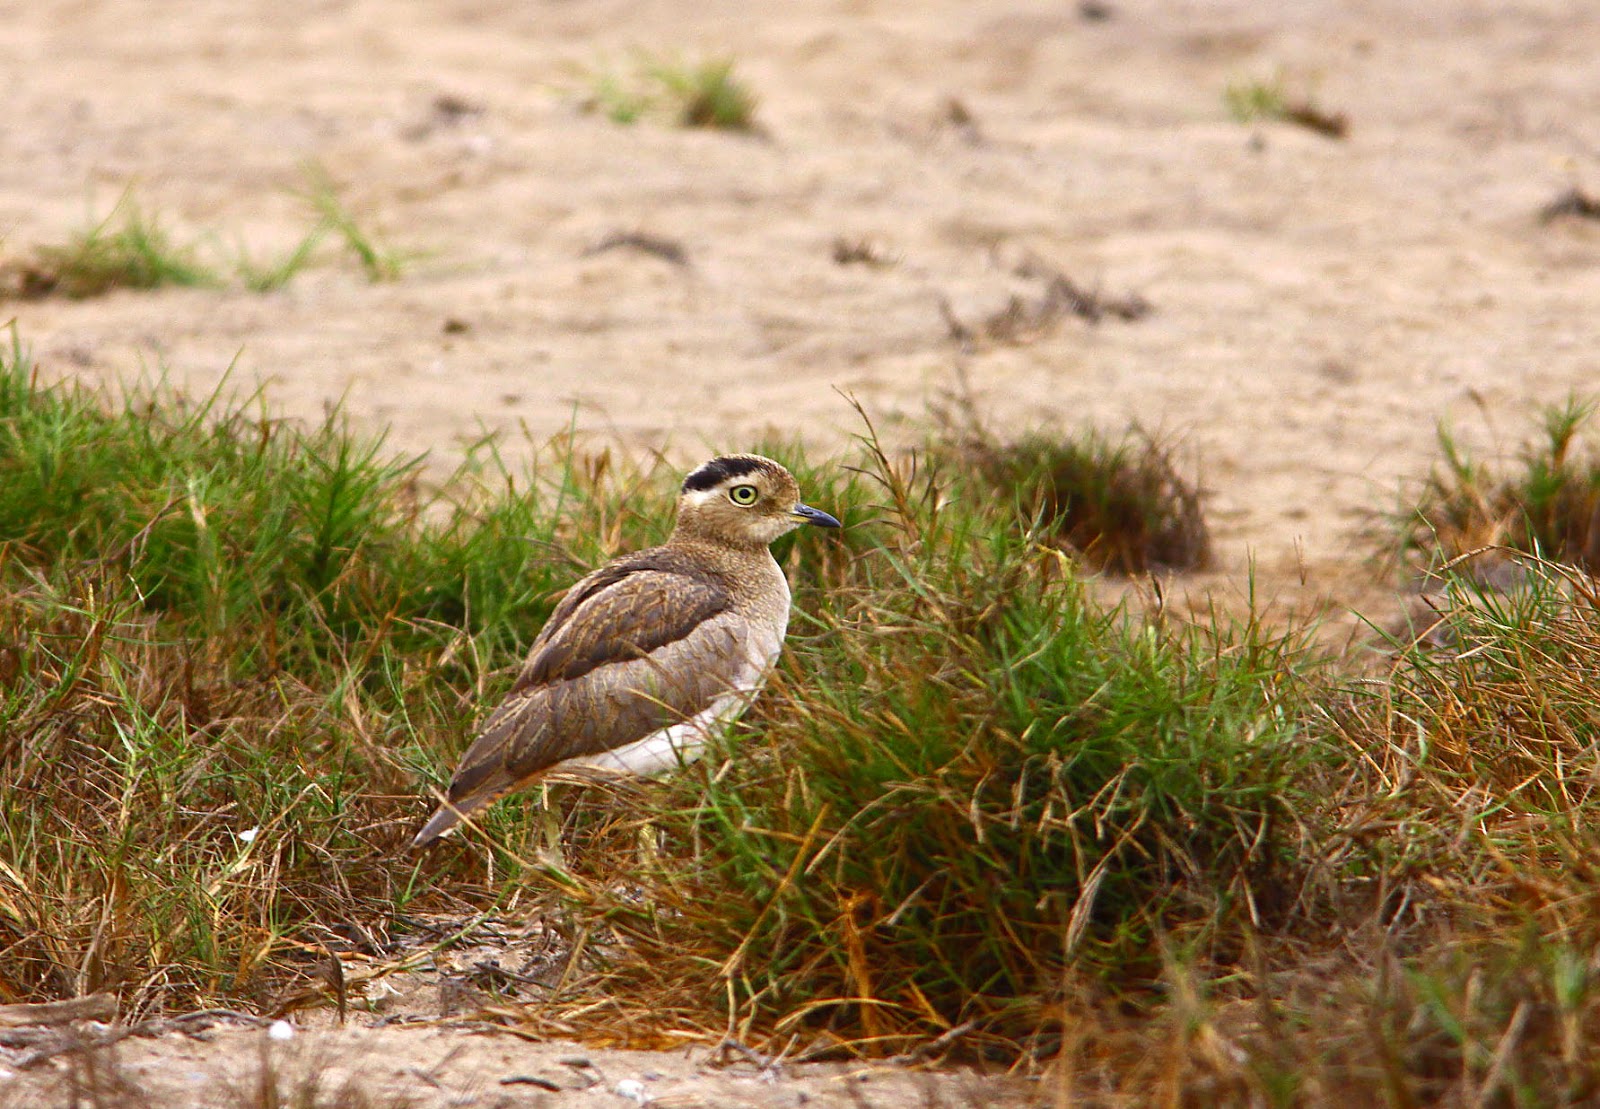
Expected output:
(131, 249)
(378, 262)
(705, 94)
(1250, 101)
(978, 813)
(1026, 318)
(1549, 503)
(1119, 504)
(126, 250)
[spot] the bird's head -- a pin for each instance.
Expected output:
(744, 500)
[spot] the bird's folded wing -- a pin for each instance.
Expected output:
(621, 612)
(636, 652)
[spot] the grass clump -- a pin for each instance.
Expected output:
(127, 250)
(707, 94)
(131, 250)
(1120, 505)
(1488, 749)
(1470, 816)
(378, 262)
(703, 94)
(1548, 504)
(1251, 101)
(1459, 834)
(215, 514)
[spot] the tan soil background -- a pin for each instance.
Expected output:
(1318, 305)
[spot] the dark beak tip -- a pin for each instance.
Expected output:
(816, 517)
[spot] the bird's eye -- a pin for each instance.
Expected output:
(743, 495)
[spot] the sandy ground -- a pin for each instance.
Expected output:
(401, 1068)
(1318, 305)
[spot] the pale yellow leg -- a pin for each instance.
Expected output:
(551, 853)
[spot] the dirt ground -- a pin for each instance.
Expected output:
(437, 1067)
(1317, 304)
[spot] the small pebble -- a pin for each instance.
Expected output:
(280, 1030)
(633, 1090)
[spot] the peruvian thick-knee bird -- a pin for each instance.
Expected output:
(646, 658)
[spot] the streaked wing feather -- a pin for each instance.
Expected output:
(620, 612)
(626, 701)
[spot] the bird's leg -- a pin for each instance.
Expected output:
(551, 853)
(649, 845)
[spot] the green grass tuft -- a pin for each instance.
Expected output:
(127, 250)
(1120, 504)
(265, 277)
(131, 250)
(707, 94)
(378, 262)
(1548, 504)
(703, 94)
(1251, 101)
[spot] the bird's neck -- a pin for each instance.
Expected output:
(743, 568)
(687, 535)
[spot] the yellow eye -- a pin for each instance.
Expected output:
(744, 495)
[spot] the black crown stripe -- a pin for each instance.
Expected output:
(719, 470)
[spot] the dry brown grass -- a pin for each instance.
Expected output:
(1547, 502)
(1121, 505)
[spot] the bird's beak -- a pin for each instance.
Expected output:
(815, 516)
